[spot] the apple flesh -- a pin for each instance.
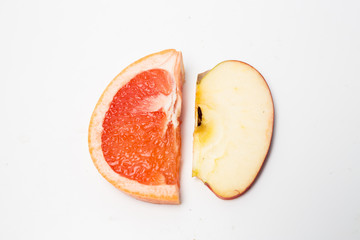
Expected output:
(233, 128)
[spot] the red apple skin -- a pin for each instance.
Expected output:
(268, 150)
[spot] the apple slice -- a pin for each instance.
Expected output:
(233, 128)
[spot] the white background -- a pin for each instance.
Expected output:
(56, 58)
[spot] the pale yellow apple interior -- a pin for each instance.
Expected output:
(232, 141)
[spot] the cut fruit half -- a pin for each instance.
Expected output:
(134, 132)
(233, 128)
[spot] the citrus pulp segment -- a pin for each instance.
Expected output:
(134, 133)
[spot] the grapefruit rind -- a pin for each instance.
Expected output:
(169, 60)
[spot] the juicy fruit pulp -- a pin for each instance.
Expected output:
(138, 138)
(134, 131)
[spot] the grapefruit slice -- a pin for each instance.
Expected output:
(134, 132)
